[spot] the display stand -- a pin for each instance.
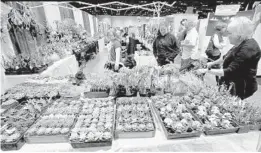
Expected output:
(101, 44)
(63, 67)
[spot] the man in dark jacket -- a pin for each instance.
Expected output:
(165, 47)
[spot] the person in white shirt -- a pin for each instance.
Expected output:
(190, 45)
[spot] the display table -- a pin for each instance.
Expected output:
(229, 142)
(145, 60)
(145, 43)
(12, 80)
(63, 67)
(101, 44)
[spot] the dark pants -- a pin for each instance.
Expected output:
(243, 88)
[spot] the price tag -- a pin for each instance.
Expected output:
(226, 10)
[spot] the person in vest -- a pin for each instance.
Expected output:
(114, 59)
(216, 44)
(240, 63)
(165, 46)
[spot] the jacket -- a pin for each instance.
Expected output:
(166, 47)
(132, 46)
(240, 67)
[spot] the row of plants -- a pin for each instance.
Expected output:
(66, 40)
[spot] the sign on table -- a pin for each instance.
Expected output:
(225, 10)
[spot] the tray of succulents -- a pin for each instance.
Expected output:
(16, 121)
(95, 124)
(215, 120)
(55, 124)
(134, 118)
(175, 119)
(11, 138)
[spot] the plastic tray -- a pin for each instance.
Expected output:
(96, 94)
(13, 145)
(221, 131)
(243, 129)
(147, 134)
(216, 131)
(256, 127)
(76, 144)
(47, 139)
(175, 136)
(90, 144)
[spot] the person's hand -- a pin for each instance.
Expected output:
(186, 41)
(201, 71)
(209, 64)
(116, 67)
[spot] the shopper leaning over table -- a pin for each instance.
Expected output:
(240, 63)
(165, 47)
(114, 58)
(190, 51)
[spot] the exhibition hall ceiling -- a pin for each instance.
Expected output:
(201, 7)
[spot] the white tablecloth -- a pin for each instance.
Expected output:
(63, 67)
(145, 60)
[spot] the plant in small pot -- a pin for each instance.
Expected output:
(245, 114)
(250, 116)
(130, 86)
(79, 78)
(120, 80)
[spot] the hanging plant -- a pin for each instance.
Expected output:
(23, 19)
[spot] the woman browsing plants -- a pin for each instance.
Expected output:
(240, 63)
